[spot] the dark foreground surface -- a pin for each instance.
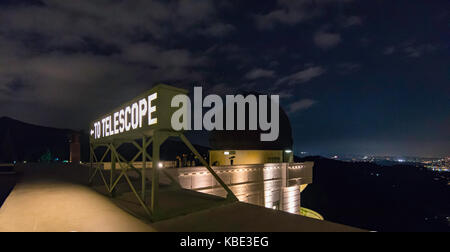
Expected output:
(381, 198)
(7, 182)
(53, 197)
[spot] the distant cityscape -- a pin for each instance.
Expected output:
(437, 164)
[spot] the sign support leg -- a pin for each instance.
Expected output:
(91, 160)
(230, 194)
(113, 171)
(144, 167)
(155, 173)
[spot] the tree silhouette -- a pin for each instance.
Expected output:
(46, 157)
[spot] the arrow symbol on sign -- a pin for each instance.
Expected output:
(92, 132)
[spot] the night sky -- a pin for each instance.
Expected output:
(355, 77)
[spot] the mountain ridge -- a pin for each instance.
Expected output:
(21, 141)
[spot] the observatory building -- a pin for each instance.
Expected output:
(260, 173)
(243, 147)
(240, 167)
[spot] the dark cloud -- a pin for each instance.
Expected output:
(348, 67)
(352, 21)
(109, 20)
(63, 63)
(326, 40)
(412, 49)
(302, 76)
(259, 73)
(300, 105)
(79, 54)
(218, 30)
(389, 50)
(154, 56)
(291, 12)
(416, 51)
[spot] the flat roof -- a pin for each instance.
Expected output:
(54, 198)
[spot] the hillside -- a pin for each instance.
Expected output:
(381, 198)
(21, 141)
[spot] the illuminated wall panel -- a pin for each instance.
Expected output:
(245, 157)
(266, 185)
(239, 176)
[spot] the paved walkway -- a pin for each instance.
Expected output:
(47, 204)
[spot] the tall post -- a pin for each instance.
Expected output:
(144, 167)
(284, 184)
(113, 169)
(155, 172)
(91, 160)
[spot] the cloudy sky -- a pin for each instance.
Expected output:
(366, 77)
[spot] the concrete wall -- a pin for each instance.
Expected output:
(275, 185)
(269, 185)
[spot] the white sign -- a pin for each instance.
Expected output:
(129, 118)
(175, 113)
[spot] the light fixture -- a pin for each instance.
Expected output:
(288, 151)
(226, 153)
(160, 165)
